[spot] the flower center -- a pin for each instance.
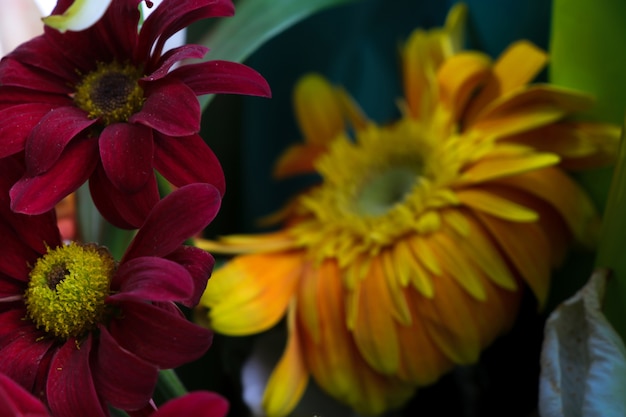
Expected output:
(110, 93)
(67, 288)
(386, 189)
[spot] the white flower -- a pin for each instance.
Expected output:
(583, 361)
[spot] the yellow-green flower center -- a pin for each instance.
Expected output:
(390, 182)
(385, 189)
(110, 92)
(67, 289)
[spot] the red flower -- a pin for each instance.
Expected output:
(15, 401)
(105, 105)
(83, 330)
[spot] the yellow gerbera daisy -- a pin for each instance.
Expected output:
(413, 252)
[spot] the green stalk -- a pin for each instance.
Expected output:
(169, 386)
(611, 252)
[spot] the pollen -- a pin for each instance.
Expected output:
(67, 289)
(111, 93)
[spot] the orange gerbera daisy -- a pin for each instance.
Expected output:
(413, 252)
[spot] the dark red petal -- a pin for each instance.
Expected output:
(13, 96)
(186, 160)
(152, 279)
(127, 153)
(38, 53)
(16, 255)
(11, 289)
(200, 264)
(174, 219)
(51, 135)
(70, 389)
(158, 336)
(196, 404)
(15, 401)
(16, 74)
(35, 195)
(22, 347)
(213, 77)
(170, 108)
(173, 15)
(173, 56)
(16, 123)
(35, 231)
(121, 378)
(124, 210)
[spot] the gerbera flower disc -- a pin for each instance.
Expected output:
(107, 105)
(84, 331)
(414, 251)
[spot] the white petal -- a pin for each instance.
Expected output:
(79, 16)
(583, 361)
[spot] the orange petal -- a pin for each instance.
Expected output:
(318, 110)
(459, 77)
(297, 160)
(563, 194)
(527, 248)
(580, 145)
(373, 329)
(335, 361)
(290, 376)
(449, 320)
(527, 109)
(250, 293)
(517, 65)
(422, 361)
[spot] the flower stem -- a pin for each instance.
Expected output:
(612, 244)
(169, 386)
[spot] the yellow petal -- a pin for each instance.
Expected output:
(391, 273)
(250, 293)
(484, 200)
(79, 16)
(459, 77)
(458, 266)
(236, 244)
(527, 248)
(318, 110)
(517, 65)
(488, 169)
(290, 376)
(477, 244)
(410, 268)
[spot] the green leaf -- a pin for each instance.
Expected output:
(254, 23)
(586, 54)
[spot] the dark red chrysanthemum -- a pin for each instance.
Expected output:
(15, 401)
(82, 330)
(107, 105)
